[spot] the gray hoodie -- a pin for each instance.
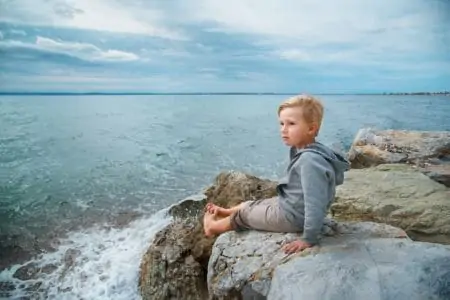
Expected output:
(308, 190)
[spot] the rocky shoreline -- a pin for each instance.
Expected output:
(396, 198)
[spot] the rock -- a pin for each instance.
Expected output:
(6, 289)
(11, 254)
(231, 188)
(32, 270)
(363, 261)
(371, 147)
(188, 208)
(399, 195)
(70, 257)
(123, 218)
(373, 269)
(438, 172)
(171, 268)
(174, 266)
(429, 150)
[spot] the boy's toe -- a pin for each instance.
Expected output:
(208, 207)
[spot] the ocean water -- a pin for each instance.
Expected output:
(84, 180)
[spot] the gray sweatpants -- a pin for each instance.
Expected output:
(264, 215)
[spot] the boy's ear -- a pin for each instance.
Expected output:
(313, 128)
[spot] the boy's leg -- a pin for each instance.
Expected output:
(263, 215)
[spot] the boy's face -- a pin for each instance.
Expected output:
(295, 131)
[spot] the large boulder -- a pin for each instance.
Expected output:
(363, 261)
(371, 147)
(399, 195)
(174, 266)
(429, 150)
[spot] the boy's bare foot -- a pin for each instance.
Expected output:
(217, 210)
(208, 219)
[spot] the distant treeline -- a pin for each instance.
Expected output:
(420, 93)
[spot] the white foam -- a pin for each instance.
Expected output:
(105, 264)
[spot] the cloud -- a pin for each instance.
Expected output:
(17, 32)
(308, 30)
(82, 51)
(293, 54)
(281, 45)
(100, 15)
(309, 21)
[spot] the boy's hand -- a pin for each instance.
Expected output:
(295, 246)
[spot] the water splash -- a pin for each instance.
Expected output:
(97, 263)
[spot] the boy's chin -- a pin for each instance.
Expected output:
(287, 143)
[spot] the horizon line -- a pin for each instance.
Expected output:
(37, 93)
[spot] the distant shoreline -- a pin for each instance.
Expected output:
(447, 93)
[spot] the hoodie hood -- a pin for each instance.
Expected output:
(337, 160)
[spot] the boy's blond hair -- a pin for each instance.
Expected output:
(311, 106)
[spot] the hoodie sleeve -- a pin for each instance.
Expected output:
(315, 180)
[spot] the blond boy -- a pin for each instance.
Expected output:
(304, 194)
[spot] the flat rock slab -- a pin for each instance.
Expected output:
(243, 264)
(377, 269)
(398, 195)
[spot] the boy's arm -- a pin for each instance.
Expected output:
(315, 184)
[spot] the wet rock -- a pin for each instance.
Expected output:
(124, 218)
(11, 254)
(69, 261)
(19, 245)
(70, 257)
(362, 261)
(6, 288)
(399, 195)
(32, 271)
(188, 208)
(171, 268)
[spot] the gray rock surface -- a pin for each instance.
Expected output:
(399, 195)
(377, 269)
(373, 147)
(362, 261)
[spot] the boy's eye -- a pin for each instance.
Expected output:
(291, 123)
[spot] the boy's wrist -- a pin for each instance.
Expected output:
(308, 241)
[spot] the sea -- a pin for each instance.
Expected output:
(85, 181)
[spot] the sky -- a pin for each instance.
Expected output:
(293, 46)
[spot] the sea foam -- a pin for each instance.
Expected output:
(97, 263)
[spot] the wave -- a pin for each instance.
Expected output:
(98, 263)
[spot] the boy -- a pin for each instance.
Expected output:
(304, 195)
